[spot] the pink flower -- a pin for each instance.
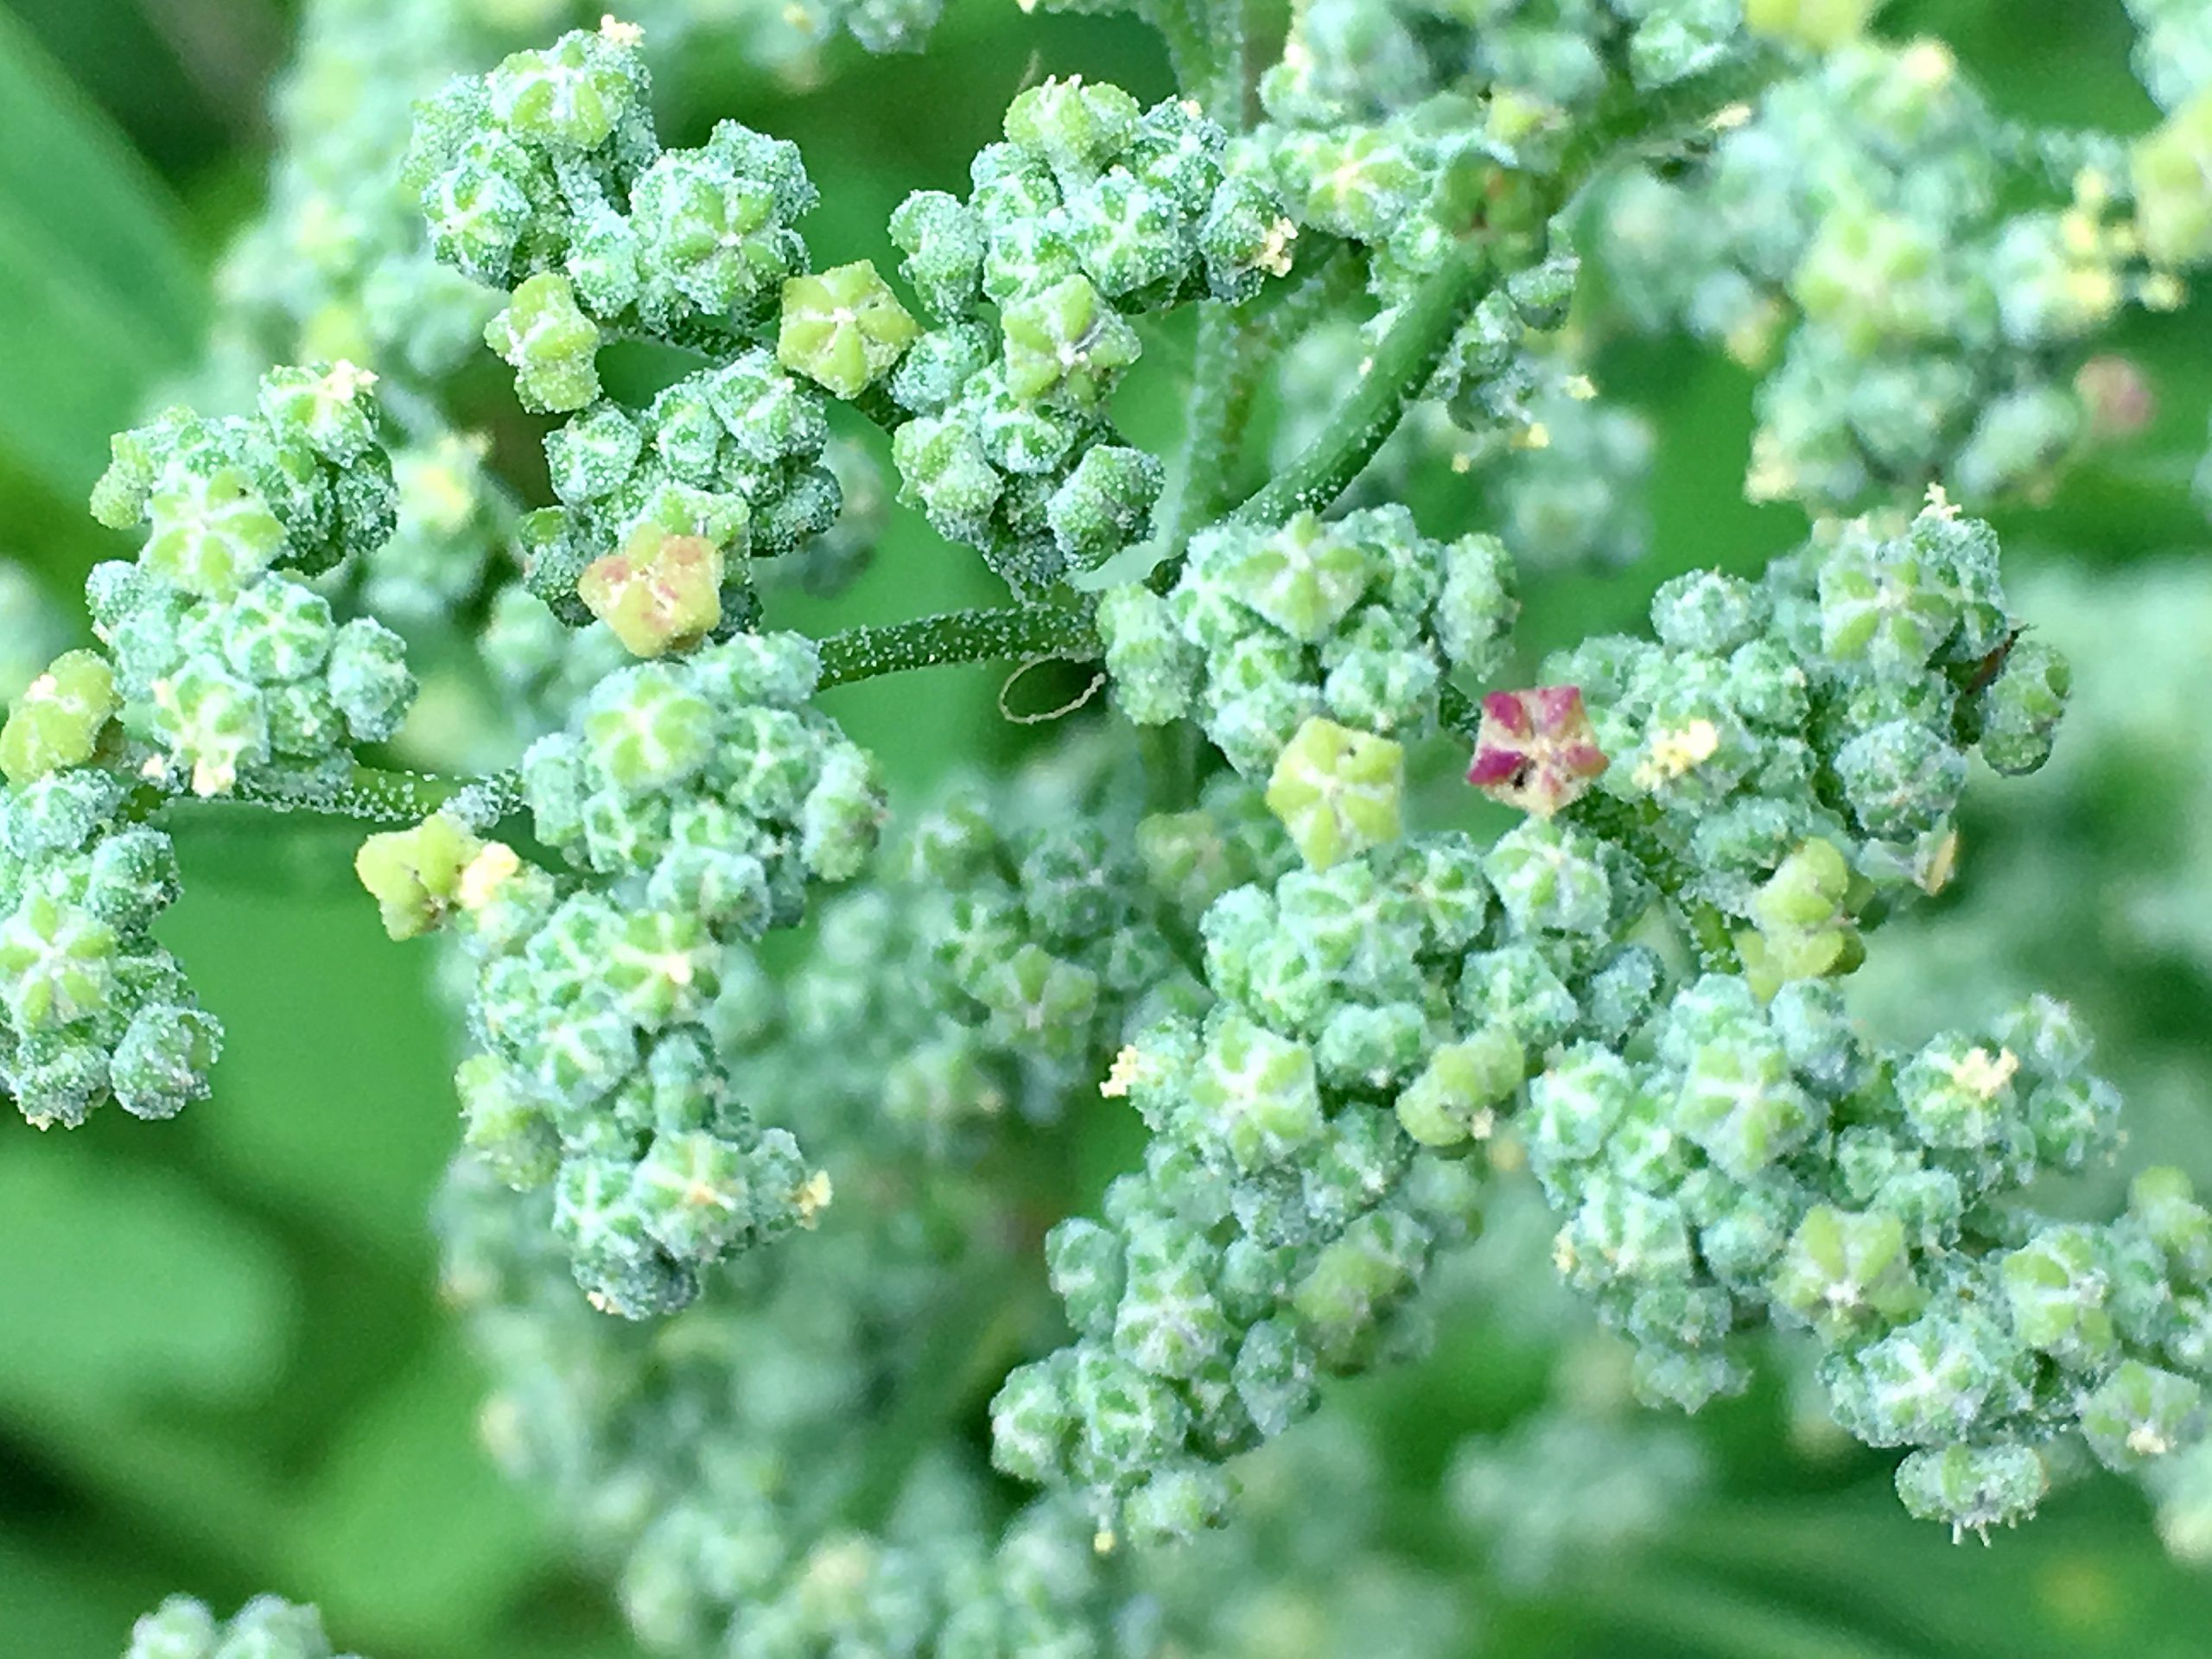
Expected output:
(1535, 749)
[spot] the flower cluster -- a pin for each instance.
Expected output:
(1798, 745)
(92, 1007)
(1912, 272)
(1092, 211)
(230, 669)
(1352, 623)
(265, 1627)
(701, 797)
(1764, 1163)
(1286, 1210)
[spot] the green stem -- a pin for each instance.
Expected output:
(1188, 51)
(1402, 365)
(1393, 377)
(378, 795)
(1005, 634)
(1207, 440)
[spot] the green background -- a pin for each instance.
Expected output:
(223, 1366)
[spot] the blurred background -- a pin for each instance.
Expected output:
(223, 1365)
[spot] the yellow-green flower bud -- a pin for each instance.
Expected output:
(58, 722)
(660, 593)
(844, 329)
(1337, 791)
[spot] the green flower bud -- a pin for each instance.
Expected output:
(2170, 166)
(210, 533)
(2018, 712)
(1074, 126)
(1902, 778)
(712, 239)
(646, 731)
(2139, 1413)
(160, 1065)
(552, 346)
(571, 95)
(502, 1125)
(1958, 1095)
(214, 723)
(58, 722)
(1844, 1272)
(59, 963)
(1066, 343)
(417, 876)
(943, 242)
(1459, 1091)
(1105, 504)
(1336, 791)
(1355, 1282)
(1972, 1487)
(1739, 1102)
(661, 593)
(369, 681)
(844, 329)
(1550, 878)
(2055, 1286)
(1255, 1094)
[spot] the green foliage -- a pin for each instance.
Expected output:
(905, 1216)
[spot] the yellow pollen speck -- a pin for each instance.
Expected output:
(1940, 503)
(1929, 62)
(1128, 1069)
(813, 1198)
(1983, 1073)
(486, 874)
(1274, 252)
(1581, 388)
(1463, 462)
(1673, 754)
(1103, 1541)
(1534, 435)
(1729, 116)
(612, 29)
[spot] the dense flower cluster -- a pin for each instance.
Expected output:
(1352, 624)
(701, 798)
(1093, 211)
(92, 1007)
(1911, 273)
(705, 1454)
(265, 1627)
(228, 666)
(1141, 1125)
(1284, 1210)
(1798, 745)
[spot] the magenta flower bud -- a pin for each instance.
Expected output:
(1535, 749)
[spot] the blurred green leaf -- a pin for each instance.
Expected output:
(130, 1283)
(409, 1538)
(101, 294)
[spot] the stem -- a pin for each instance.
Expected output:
(1188, 53)
(1033, 631)
(376, 795)
(1207, 439)
(1402, 365)
(1393, 377)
